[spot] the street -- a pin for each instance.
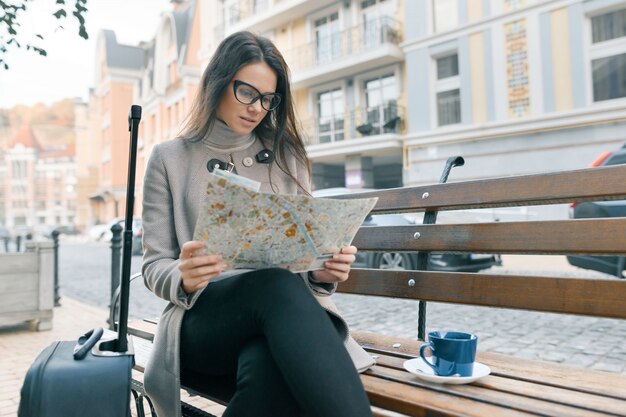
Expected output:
(597, 343)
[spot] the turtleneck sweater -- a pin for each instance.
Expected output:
(223, 139)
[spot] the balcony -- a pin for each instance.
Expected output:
(358, 130)
(344, 53)
(263, 15)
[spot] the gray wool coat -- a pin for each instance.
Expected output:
(174, 185)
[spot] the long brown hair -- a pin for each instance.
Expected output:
(278, 127)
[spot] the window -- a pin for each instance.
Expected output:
(448, 96)
(381, 95)
(330, 108)
(378, 21)
(609, 77)
(19, 169)
(608, 26)
(231, 12)
(447, 66)
(449, 107)
(327, 38)
(608, 55)
(260, 6)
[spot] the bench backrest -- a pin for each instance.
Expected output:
(599, 236)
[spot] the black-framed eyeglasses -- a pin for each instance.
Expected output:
(247, 94)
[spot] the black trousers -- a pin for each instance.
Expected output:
(261, 340)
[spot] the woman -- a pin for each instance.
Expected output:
(257, 339)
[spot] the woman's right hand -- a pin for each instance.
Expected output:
(197, 270)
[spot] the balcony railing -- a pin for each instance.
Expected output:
(357, 123)
(243, 9)
(352, 41)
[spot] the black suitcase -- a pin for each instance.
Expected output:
(91, 376)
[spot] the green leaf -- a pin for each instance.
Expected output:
(60, 1)
(39, 36)
(60, 13)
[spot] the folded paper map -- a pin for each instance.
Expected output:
(251, 229)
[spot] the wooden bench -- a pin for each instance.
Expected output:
(515, 387)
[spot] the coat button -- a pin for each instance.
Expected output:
(247, 161)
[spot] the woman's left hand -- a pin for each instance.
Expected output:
(337, 269)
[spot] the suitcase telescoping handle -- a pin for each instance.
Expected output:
(134, 117)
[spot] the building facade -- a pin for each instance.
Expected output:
(514, 86)
(160, 75)
(38, 184)
(348, 81)
(387, 90)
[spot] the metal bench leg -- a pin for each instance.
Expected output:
(139, 393)
(152, 411)
(138, 403)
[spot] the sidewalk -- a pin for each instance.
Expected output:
(19, 346)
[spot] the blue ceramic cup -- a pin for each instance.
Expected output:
(452, 352)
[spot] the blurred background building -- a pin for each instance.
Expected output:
(38, 184)
(386, 90)
(516, 87)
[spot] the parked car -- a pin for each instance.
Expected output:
(23, 231)
(613, 265)
(137, 236)
(102, 233)
(408, 260)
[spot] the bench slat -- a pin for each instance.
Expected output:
(606, 384)
(592, 184)
(540, 237)
(143, 329)
(503, 382)
(592, 297)
(598, 297)
(420, 401)
(499, 396)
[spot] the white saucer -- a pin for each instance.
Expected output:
(420, 369)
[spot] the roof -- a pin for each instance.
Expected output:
(122, 56)
(182, 20)
(26, 137)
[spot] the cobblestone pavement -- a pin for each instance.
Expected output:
(84, 274)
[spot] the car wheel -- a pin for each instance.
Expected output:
(393, 260)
